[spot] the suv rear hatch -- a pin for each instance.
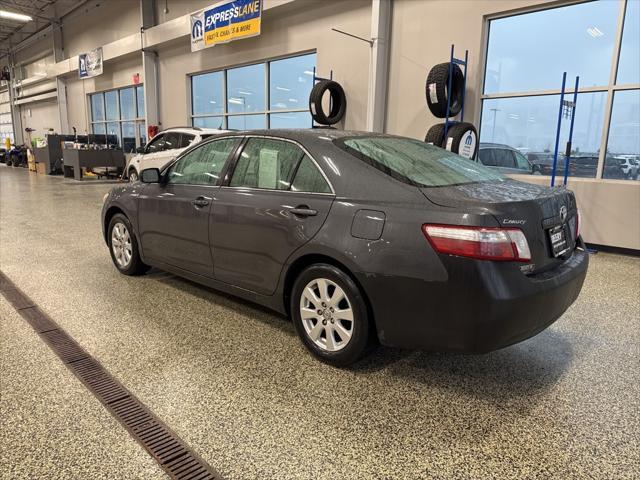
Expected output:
(548, 217)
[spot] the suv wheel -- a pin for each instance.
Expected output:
(124, 247)
(133, 175)
(330, 315)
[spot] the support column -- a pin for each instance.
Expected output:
(58, 54)
(379, 65)
(18, 132)
(149, 66)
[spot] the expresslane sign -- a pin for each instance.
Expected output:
(225, 22)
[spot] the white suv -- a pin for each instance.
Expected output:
(164, 147)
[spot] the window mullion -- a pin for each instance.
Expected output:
(612, 80)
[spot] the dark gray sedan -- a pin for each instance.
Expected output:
(359, 237)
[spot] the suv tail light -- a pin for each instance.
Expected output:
(577, 223)
(484, 243)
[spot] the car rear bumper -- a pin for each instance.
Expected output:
(482, 306)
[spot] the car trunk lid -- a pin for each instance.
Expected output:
(547, 216)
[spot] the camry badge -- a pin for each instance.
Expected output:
(563, 213)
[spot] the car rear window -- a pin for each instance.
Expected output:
(417, 163)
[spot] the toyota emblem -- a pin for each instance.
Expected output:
(563, 213)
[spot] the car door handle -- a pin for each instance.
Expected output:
(303, 211)
(200, 202)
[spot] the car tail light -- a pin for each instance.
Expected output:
(577, 223)
(485, 243)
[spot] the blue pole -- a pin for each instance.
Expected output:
(573, 116)
(464, 83)
(446, 118)
(555, 153)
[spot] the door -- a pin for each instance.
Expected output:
(173, 216)
(153, 149)
(276, 200)
(167, 151)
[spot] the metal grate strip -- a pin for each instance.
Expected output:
(173, 455)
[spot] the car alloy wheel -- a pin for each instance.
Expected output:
(121, 245)
(327, 315)
(133, 176)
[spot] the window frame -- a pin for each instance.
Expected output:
(266, 113)
(610, 88)
(231, 167)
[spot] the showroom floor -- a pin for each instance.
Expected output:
(235, 383)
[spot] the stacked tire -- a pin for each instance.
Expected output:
(462, 137)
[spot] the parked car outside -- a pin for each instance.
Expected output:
(505, 159)
(164, 147)
(358, 237)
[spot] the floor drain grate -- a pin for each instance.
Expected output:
(173, 455)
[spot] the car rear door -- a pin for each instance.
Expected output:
(274, 199)
(173, 216)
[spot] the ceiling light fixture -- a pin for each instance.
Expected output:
(20, 17)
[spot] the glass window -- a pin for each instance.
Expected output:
(246, 122)
(156, 144)
(529, 125)
(186, 139)
(417, 163)
(530, 51)
(97, 107)
(114, 135)
(202, 166)
(290, 82)
(128, 137)
(623, 147)
(245, 89)
(140, 100)
(309, 179)
(209, 122)
(521, 162)
(114, 112)
(127, 104)
(143, 134)
(206, 94)
(629, 66)
(290, 120)
(111, 104)
(171, 140)
(266, 163)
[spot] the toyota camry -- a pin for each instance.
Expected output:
(360, 238)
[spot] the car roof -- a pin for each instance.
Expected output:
(194, 130)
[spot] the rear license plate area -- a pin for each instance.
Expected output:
(558, 239)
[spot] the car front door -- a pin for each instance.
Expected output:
(173, 215)
(273, 201)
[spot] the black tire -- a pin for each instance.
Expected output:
(338, 102)
(135, 266)
(435, 135)
(462, 138)
(133, 175)
(362, 336)
(437, 94)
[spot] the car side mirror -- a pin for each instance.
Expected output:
(150, 175)
(140, 150)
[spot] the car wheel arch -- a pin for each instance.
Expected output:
(301, 263)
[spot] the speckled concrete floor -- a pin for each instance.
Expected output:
(234, 382)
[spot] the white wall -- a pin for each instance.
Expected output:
(288, 29)
(40, 116)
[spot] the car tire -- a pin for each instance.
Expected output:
(324, 333)
(436, 90)
(338, 102)
(120, 236)
(435, 135)
(133, 175)
(462, 138)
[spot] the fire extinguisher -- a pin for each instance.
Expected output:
(152, 131)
